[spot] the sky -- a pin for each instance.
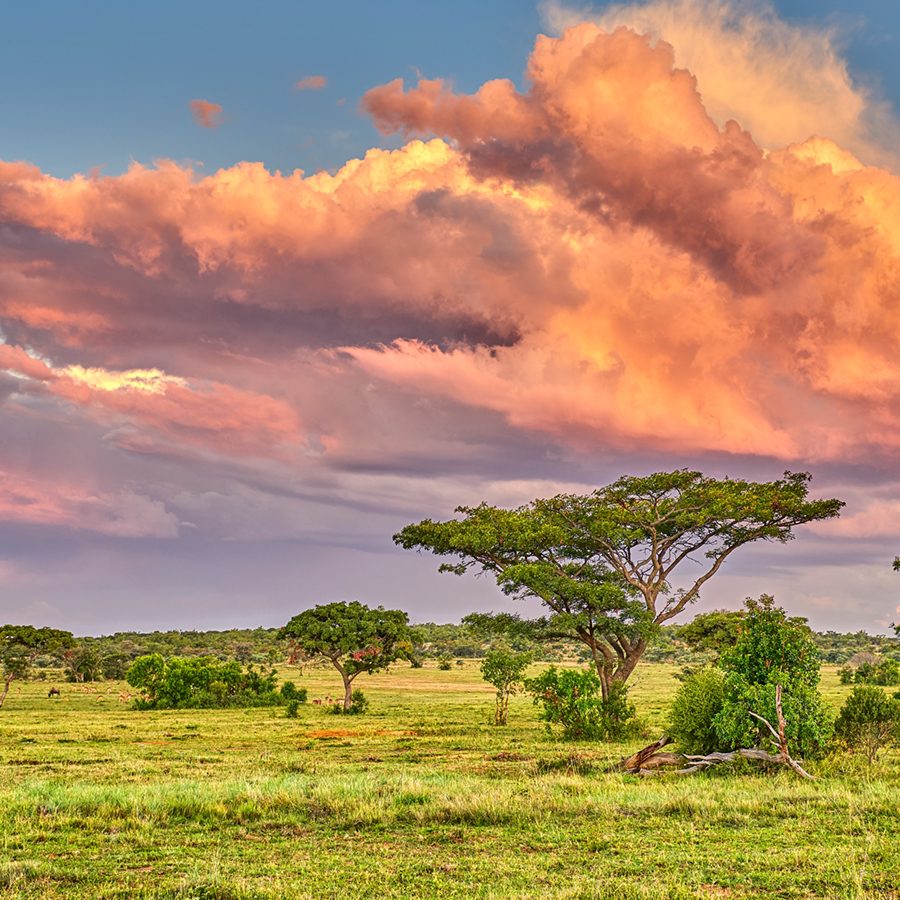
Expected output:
(278, 280)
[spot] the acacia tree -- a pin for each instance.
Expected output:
(20, 645)
(605, 563)
(353, 637)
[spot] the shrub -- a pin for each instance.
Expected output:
(202, 682)
(697, 703)
(572, 699)
(868, 721)
(445, 663)
(772, 649)
(292, 708)
(290, 692)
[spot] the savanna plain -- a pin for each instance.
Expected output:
(421, 797)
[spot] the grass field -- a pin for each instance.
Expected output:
(420, 798)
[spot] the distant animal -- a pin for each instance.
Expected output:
(53, 692)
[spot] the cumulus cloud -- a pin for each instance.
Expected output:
(210, 415)
(206, 114)
(782, 81)
(311, 83)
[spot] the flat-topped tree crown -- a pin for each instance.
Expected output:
(603, 562)
(645, 527)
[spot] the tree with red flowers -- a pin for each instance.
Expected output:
(353, 637)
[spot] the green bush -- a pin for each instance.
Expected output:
(202, 682)
(869, 720)
(293, 706)
(572, 698)
(772, 649)
(290, 692)
(695, 707)
(445, 663)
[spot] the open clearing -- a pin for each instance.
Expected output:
(420, 798)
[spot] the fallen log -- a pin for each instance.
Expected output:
(650, 761)
(639, 760)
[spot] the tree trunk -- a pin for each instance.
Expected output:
(6, 685)
(501, 712)
(348, 683)
(632, 658)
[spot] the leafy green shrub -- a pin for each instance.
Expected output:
(293, 707)
(868, 721)
(202, 682)
(289, 692)
(695, 707)
(572, 699)
(445, 663)
(772, 649)
(885, 672)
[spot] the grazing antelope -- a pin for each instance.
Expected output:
(53, 692)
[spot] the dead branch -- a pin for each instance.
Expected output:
(650, 761)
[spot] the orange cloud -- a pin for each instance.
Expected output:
(597, 258)
(783, 82)
(206, 114)
(311, 83)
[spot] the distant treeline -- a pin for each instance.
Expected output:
(111, 655)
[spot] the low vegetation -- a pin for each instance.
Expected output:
(202, 683)
(420, 797)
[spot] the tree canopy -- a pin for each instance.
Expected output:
(605, 563)
(353, 637)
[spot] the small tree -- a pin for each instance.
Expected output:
(20, 645)
(504, 670)
(868, 721)
(83, 663)
(352, 637)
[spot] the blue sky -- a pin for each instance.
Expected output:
(98, 84)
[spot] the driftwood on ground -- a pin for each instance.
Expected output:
(650, 761)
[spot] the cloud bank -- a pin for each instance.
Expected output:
(640, 258)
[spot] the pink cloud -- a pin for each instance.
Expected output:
(311, 83)
(120, 514)
(206, 114)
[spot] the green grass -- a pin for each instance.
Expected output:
(420, 798)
